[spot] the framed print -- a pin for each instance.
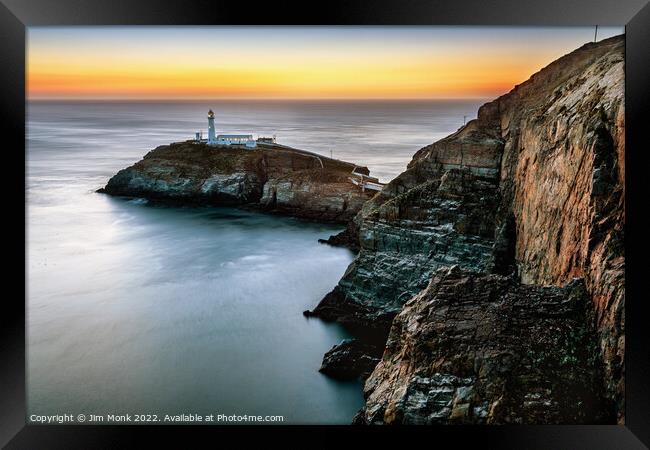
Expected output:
(256, 218)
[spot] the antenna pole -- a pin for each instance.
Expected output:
(596, 33)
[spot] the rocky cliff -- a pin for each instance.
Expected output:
(529, 194)
(270, 177)
(440, 212)
(563, 185)
(485, 349)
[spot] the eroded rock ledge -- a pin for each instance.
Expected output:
(273, 178)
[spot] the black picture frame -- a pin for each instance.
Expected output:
(16, 15)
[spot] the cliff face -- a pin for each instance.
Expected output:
(284, 180)
(452, 358)
(563, 183)
(533, 190)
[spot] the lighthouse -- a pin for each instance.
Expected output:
(212, 139)
(225, 139)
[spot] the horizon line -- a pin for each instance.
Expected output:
(193, 99)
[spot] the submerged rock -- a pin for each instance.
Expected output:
(351, 359)
(272, 178)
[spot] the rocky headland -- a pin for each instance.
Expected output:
(490, 274)
(271, 178)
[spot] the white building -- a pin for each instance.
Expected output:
(236, 139)
(224, 139)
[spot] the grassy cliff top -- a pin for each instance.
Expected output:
(229, 158)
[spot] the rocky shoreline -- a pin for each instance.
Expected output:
(490, 274)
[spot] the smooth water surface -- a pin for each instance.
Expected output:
(136, 308)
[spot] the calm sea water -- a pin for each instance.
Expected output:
(135, 308)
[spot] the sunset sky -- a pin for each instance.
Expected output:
(290, 62)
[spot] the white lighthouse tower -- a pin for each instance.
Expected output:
(212, 138)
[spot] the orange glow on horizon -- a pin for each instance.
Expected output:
(188, 70)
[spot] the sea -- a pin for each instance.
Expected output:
(151, 311)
